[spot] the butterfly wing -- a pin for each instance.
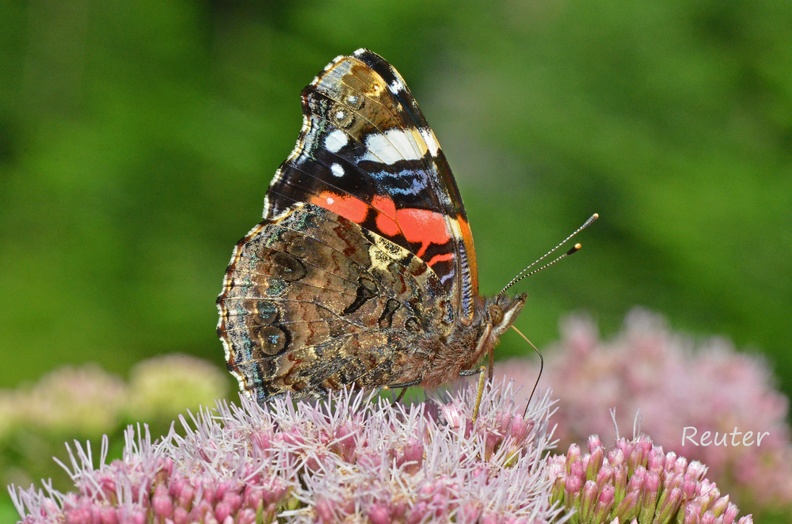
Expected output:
(366, 153)
(313, 301)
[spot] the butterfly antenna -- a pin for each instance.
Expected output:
(527, 271)
(541, 368)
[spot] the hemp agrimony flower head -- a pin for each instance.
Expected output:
(636, 482)
(680, 387)
(348, 458)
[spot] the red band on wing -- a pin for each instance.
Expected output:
(384, 204)
(418, 226)
(348, 207)
(386, 218)
(443, 257)
(424, 227)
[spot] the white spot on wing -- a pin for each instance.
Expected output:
(431, 141)
(337, 170)
(330, 201)
(396, 86)
(394, 145)
(336, 140)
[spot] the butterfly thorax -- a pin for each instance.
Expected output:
(468, 342)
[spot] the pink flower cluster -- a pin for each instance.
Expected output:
(636, 482)
(346, 458)
(88, 400)
(85, 402)
(679, 388)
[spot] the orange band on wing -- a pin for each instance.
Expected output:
(467, 240)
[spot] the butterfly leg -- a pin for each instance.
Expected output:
(479, 392)
(401, 395)
(480, 388)
(490, 368)
(403, 387)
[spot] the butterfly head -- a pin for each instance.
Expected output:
(501, 311)
(492, 317)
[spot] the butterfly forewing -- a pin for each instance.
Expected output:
(367, 153)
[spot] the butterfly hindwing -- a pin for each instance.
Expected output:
(380, 312)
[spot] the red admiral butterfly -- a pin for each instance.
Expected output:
(363, 271)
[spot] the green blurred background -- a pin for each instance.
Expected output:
(137, 140)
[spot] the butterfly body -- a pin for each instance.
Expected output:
(363, 271)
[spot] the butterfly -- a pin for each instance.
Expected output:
(363, 272)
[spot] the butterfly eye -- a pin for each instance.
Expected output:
(495, 314)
